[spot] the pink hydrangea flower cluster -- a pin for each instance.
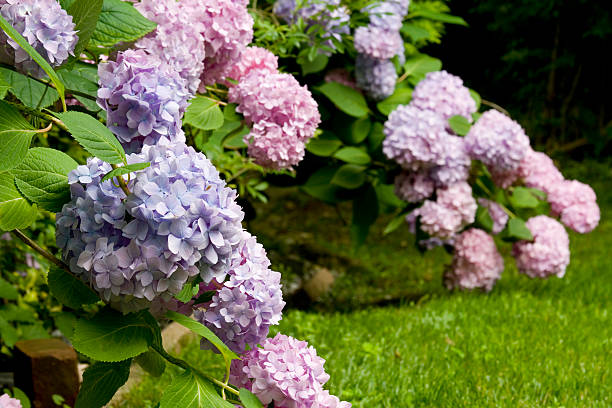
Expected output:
(498, 214)
(444, 94)
(414, 186)
(378, 42)
(548, 254)
(254, 59)
(282, 113)
(7, 402)
(285, 372)
(576, 204)
(477, 264)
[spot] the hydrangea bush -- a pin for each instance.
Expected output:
(177, 108)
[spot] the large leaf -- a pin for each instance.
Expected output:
(43, 177)
(8, 334)
(459, 124)
(189, 390)
(4, 87)
(100, 382)
(80, 78)
(420, 65)
(442, 17)
(152, 363)
(25, 45)
(353, 155)
(120, 171)
(69, 290)
(204, 113)
(119, 22)
(415, 32)
(110, 336)
(318, 64)
(484, 219)
(32, 93)
(324, 145)
(15, 136)
(401, 96)
(94, 137)
(517, 230)
(350, 176)
(522, 197)
(359, 131)
(8, 291)
(249, 400)
(85, 14)
(15, 211)
(345, 98)
(319, 185)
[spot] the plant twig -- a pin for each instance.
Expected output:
(46, 254)
(122, 184)
(40, 115)
(495, 106)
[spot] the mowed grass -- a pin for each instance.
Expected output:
(528, 343)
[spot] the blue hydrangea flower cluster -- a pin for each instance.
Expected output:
(329, 15)
(48, 28)
(377, 44)
(248, 303)
(144, 99)
(180, 220)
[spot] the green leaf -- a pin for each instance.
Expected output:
(476, 96)
(189, 390)
(484, 219)
(442, 17)
(317, 65)
(319, 185)
(522, 197)
(8, 334)
(25, 45)
(324, 145)
(401, 96)
(152, 363)
(517, 230)
(204, 113)
(33, 331)
(346, 99)
(81, 78)
(8, 291)
(359, 130)
(43, 177)
(69, 290)
(15, 211)
(4, 87)
(96, 138)
(386, 195)
(200, 329)
(22, 397)
(460, 125)
(100, 383)
(85, 14)
(15, 136)
(420, 65)
(415, 32)
(119, 22)
(352, 155)
(32, 93)
(12, 312)
(65, 322)
(235, 140)
(365, 213)
(376, 136)
(120, 171)
(394, 224)
(249, 400)
(186, 294)
(110, 336)
(350, 176)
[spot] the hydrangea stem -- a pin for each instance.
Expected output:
(185, 366)
(40, 115)
(122, 184)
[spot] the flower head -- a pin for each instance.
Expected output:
(576, 203)
(8, 402)
(254, 59)
(444, 94)
(377, 42)
(388, 14)
(498, 214)
(413, 187)
(539, 171)
(375, 76)
(456, 163)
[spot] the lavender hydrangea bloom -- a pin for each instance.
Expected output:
(179, 220)
(456, 165)
(498, 141)
(7, 402)
(576, 203)
(413, 187)
(176, 41)
(388, 14)
(497, 213)
(47, 27)
(444, 94)
(227, 29)
(243, 310)
(539, 171)
(144, 99)
(437, 220)
(377, 42)
(548, 254)
(476, 262)
(376, 77)
(287, 372)
(458, 197)
(415, 138)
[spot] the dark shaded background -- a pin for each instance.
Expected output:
(546, 61)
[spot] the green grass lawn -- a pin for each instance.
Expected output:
(528, 343)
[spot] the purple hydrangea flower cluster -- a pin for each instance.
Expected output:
(498, 141)
(47, 27)
(444, 94)
(247, 304)
(144, 99)
(254, 59)
(283, 116)
(377, 44)
(176, 41)
(375, 77)
(227, 29)
(413, 187)
(7, 402)
(498, 214)
(455, 162)
(477, 264)
(330, 16)
(286, 372)
(548, 254)
(576, 204)
(179, 220)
